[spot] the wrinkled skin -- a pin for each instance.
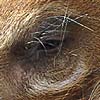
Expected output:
(72, 75)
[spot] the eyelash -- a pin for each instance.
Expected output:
(49, 38)
(52, 33)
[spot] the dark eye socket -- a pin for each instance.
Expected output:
(49, 35)
(49, 45)
(53, 31)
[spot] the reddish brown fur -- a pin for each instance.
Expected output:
(19, 77)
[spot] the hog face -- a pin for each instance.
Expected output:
(49, 49)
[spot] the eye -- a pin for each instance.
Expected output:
(49, 35)
(44, 45)
(50, 44)
(52, 33)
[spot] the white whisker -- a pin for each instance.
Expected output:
(80, 24)
(41, 44)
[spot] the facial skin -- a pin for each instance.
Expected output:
(71, 73)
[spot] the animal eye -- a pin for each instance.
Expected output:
(52, 33)
(50, 45)
(49, 36)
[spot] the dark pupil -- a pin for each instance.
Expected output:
(50, 45)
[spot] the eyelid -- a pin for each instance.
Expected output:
(51, 29)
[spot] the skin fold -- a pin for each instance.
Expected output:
(71, 73)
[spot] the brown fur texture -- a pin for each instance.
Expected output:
(74, 75)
